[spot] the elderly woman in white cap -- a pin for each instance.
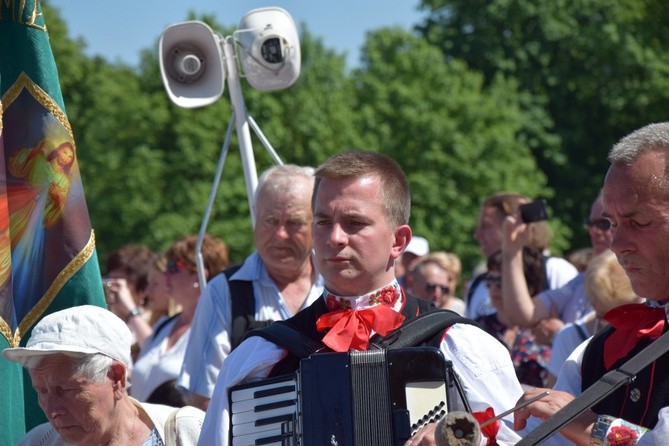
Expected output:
(78, 362)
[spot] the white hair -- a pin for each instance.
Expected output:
(287, 179)
(94, 367)
(653, 137)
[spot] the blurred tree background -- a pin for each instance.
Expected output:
(482, 96)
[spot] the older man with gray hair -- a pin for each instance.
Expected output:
(276, 281)
(78, 362)
(636, 202)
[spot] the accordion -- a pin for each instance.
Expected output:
(377, 397)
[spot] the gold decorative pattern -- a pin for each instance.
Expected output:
(25, 82)
(41, 96)
(19, 12)
(46, 300)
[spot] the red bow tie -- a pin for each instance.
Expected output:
(350, 329)
(632, 322)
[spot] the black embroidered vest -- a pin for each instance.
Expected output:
(305, 322)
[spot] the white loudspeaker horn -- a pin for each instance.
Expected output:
(269, 48)
(191, 64)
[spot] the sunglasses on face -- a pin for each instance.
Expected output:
(432, 287)
(491, 281)
(602, 224)
(173, 266)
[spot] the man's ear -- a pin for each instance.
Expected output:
(402, 239)
(119, 376)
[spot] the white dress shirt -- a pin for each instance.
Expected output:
(209, 342)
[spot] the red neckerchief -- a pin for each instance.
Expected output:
(350, 329)
(632, 322)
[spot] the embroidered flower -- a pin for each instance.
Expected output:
(333, 302)
(622, 436)
(387, 295)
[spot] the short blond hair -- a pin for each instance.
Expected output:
(606, 284)
(447, 261)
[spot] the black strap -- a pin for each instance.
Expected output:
(473, 285)
(581, 331)
(602, 388)
(420, 329)
(163, 324)
(289, 338)
(412, 333)
(544, 282)
(243, 306)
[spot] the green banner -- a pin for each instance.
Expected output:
(47, 247)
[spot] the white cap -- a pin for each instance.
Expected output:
(418, 245)
(77, 331)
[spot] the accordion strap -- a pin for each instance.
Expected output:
(286, 336)
(414, 332)
(602, 388)
(420, 329)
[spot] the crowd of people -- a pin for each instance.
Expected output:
(336, 263)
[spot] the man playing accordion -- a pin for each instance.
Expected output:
(361, 208)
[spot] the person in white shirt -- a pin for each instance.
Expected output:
(280, 272)
(361, 208)
(160, 359)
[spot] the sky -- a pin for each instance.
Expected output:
(119, 29)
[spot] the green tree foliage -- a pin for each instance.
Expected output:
(455, 137)
(148, 165)
(588, 72)
(489, 96)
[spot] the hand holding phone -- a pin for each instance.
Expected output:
(534, 211)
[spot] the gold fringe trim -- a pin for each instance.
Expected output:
(25, 82)
(42, 97)
(66, 274)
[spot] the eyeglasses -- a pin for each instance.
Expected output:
(602, 224)
(432, 287)
(173, 266)
(493, 280)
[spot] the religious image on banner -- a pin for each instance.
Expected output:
(41, 180)
(47, 246)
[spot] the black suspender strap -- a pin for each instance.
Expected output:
(581, 331)
(243, 307)
(602, 388)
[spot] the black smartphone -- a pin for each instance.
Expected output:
(534, 211)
